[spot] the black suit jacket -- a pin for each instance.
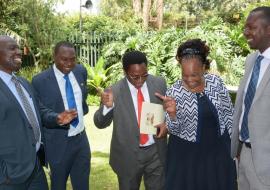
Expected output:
(48, 92)
(17, 142)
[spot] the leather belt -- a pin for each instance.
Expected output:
(79, 134)
(247, 144)
(146, 147)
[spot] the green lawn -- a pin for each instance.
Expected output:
(101, 177)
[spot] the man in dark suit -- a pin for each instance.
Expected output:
(20, 125)
(61, 87)
(134, 155)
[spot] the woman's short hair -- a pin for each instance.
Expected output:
(194, 48)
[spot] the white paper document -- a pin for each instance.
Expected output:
(151, 115)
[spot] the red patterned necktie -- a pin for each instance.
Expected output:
(143, 137)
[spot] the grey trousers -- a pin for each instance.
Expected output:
(247, 177)
(149, 168)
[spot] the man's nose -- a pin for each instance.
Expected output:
(18, 52)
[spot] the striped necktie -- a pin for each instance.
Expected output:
(249, 97)
(28, 109)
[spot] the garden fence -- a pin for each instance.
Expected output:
(89, 45)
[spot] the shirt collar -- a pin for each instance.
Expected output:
(266, 53)
(58, 72)
(6, 77)
(132, 87)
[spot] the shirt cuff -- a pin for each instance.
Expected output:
(106, 110)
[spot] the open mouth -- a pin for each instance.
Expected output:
(249, 40)
(18, 60)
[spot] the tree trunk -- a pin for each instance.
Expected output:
(137, 7)
(159, 13)
(146, 13)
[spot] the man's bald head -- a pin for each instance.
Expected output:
(10, 54)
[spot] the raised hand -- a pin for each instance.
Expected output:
(107, 97)
(66, 116)
(169, 105)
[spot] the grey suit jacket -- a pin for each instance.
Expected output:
(125, 137)
(258, 122)
(17, 143)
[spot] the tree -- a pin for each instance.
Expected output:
(137, 7)
(146, 13)
(159, 14)
(36, 22)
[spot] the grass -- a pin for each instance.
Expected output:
(101, 177)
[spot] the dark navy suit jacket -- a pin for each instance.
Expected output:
(17, 142)
(48, 92)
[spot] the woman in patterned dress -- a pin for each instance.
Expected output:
(199, 119)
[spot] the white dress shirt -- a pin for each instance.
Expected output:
(264, 65)
(146, 97)
(77, 95)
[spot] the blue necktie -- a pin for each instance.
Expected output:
(249, 97)
(71, 100)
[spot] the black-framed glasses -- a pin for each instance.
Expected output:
(139, 78)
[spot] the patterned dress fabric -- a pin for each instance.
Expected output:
(185, 126)
(205, 164)
(199, 145)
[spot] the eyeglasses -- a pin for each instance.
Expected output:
(139, 78)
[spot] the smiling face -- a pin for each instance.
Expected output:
(137, 74)
(257, 31)
(65, 59)
(192, 74)
(10, 55)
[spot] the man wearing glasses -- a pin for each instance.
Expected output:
(134, 155)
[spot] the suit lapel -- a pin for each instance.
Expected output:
(30, 92)
(54, 89)
(249, 66)
(151, 91)
(127, 99)
(262, 84)
(80, 81)
(12, 98)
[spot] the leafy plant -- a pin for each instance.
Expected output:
(97, 75)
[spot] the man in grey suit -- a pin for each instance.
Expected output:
(20, 125)
(134, 155)
(61, 87)
(251, 125)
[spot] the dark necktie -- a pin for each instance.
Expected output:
(27, 107)
(249, 97)
(143, 137)
(71, 100)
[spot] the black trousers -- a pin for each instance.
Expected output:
(37, 181)
(75, 162)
